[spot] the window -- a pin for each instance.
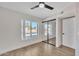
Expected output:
(27, 28)
(34, 28)
(30, 28)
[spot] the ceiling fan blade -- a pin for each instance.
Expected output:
(49, 7)
(35, 7)
(41, 2)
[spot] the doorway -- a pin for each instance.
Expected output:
(68, 30)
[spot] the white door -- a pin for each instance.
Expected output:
(68, 30)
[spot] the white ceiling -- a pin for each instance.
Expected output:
(24, 7)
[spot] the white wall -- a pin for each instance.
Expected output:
(58, 32)
(77, 29)
(10, 30)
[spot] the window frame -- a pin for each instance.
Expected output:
(34, 36)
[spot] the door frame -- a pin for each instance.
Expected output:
(59, 32)
(48, 32)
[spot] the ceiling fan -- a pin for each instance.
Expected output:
(43, 5)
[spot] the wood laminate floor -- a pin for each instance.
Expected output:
(41, 49)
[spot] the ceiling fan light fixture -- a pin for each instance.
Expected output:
(41, 5)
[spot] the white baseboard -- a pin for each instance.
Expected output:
(14, 48)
